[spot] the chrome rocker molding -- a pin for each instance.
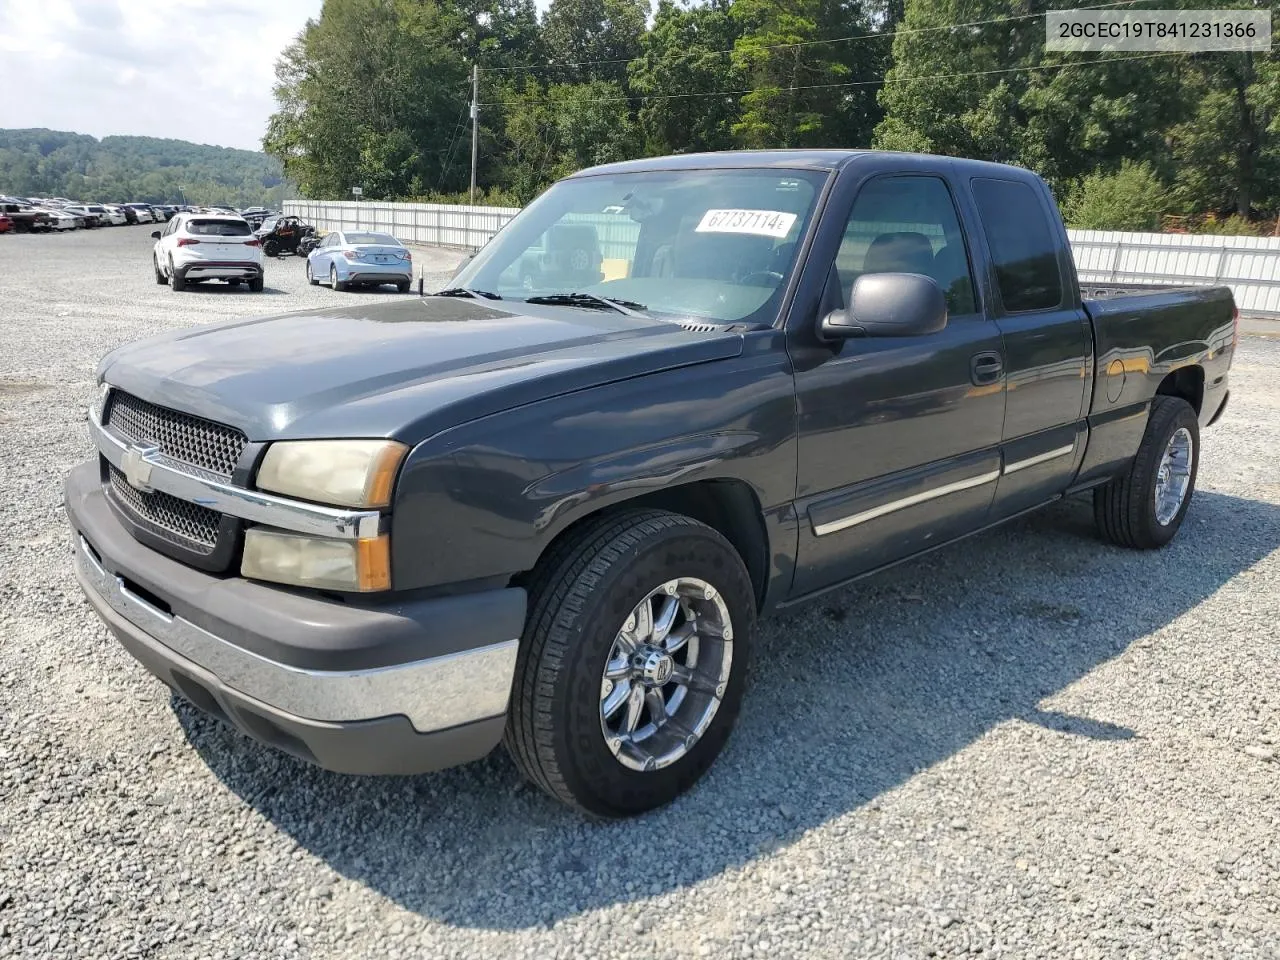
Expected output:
(1040, 458)
(239, 502)
(968, 483)
(844, 523)
(434, 694)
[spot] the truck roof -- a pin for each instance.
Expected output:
(794, 159)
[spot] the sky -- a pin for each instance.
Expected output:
(198, 70)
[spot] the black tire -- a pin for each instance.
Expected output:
(579, 596)
(161, 279)
(1125, 509)
(271, 248)
(176, 279)
(334, 282)
(403, 286)
(255, 285)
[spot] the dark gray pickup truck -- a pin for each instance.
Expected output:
(547, 505)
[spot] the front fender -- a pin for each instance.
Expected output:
(483, 500)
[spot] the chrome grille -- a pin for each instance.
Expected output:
(211, 447)
(188, 525)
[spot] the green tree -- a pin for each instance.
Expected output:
(601, 34)
(682, 62)
(1132, 198)
(369, 95)
(1227, 151)
(553, 131)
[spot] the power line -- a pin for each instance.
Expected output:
(828, 86)
(810, 43)
(444, 168)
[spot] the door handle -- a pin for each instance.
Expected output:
(985, 368)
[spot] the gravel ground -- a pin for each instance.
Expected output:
(1028, 745)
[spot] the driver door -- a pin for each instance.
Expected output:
(899, 437)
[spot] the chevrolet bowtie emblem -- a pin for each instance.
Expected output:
(137, 468)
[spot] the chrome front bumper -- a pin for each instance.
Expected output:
(434, 694)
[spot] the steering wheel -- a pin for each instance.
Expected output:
(769, 278)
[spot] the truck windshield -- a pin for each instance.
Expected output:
(713, 244)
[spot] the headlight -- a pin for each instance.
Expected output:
(356, 565)
(345, 473)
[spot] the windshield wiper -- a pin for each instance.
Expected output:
(468, 292)
(591, 300)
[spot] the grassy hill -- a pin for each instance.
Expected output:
(55, 163)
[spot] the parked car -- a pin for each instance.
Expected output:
(111, 214)
(385, 538)
(83, 213)
(25, 218)
(61, 220)
(256, 215)
(142, 211)
(196, 247)
(280, 235)
(130, 215)
(351, 258)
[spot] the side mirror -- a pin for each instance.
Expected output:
(155, 234)
(888, 305)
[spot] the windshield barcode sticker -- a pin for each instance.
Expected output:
(763, 223)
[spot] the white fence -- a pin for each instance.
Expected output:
(1250, 266)
(433, 224)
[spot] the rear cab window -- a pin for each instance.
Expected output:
(1021, 240)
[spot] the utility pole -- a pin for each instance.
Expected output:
(475, 125)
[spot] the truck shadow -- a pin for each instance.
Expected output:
(849, 698)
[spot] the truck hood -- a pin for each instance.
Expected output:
(404, 369)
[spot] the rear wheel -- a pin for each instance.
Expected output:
(176, 280)
(632, 665)
(403, 286)
(255, 285)
(271, 248)
(310, 279)
(334, 282)
(1145, 507)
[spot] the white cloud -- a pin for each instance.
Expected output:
(198, 70)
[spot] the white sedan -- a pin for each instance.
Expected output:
(194, 247)
(353, 258)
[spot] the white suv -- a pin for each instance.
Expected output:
(199, 246)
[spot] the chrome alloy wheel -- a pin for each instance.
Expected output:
(1174, 476)
(666, 674)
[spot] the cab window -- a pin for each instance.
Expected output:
(908, 224)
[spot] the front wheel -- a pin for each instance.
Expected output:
(1144, 507)
(161, 279)
(631, 668)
